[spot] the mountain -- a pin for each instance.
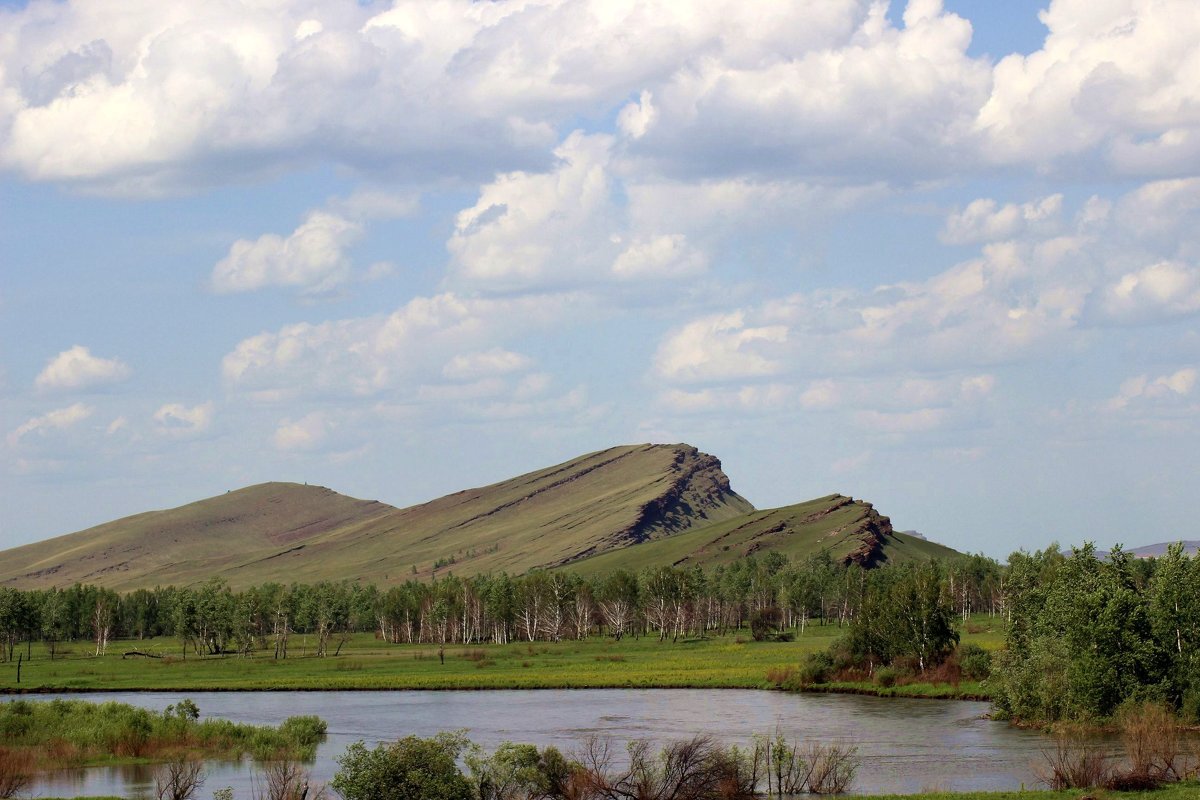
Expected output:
(1159, 550)
(288, 532)
(628, 506)
(850, 530)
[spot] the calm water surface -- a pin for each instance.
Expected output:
(905, 745)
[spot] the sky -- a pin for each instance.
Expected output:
(944, 257)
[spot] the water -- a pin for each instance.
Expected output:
(905, 745)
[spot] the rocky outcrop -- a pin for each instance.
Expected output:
(697, 494)
(873, 531)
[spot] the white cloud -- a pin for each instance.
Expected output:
(77, 368)
(59, 419)
(1143, 389)
(368, 355)
(311, 258)
(163, 92)
(719, 347)
(529, 228)
(177, 419)
(306, 433)
(984, 221)
(496, 361)
(666, 256)
(1117, 77)
(636, 118)
(1153, 293)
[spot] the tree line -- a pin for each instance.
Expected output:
(769, 596)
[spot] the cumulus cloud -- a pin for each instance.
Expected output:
(313, 257)
(59, 419)
(496, 361)
(530, 227)
(1042, 278)
(984, 220)
(1144, 389)
(1111, 77)
(368, 355)
(307, 433)
(77, 368)
(163, 92)
(665, 256)
(719, 347)
(177, 419)
(1156, 292)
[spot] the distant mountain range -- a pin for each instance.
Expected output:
(1159, 550)
(629, 506)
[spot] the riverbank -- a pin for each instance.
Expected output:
(365, 663)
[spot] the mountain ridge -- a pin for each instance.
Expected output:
(632, 501)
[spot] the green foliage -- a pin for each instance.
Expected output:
(974, 661)
(1089, 634)
(905, 614)
(516, 771)
(410, 769)
(102, 731)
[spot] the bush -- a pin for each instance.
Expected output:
(178, 779)
(975, 662)
(815, 668)
(886, 676)
(410, 769)
(763, 622)
(517, 771)
(1150, 734)
(16, 767)
(1075, 761)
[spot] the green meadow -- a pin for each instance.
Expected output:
(732, 661)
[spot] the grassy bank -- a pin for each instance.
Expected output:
(75, 733)
(367, 663)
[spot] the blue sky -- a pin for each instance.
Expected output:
(943, 257)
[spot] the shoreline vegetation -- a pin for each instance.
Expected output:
(365, 663)
(37, 737)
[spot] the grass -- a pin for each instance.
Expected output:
(298, 533)
(76, 733)
(366, 663)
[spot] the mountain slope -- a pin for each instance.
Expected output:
(850, 530)
(164, 547)
(286, 532)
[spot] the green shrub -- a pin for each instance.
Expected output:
(886, 677)
(815, 668)
(410, 769)
(975, 662)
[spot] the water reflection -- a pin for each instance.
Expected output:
(906, 745)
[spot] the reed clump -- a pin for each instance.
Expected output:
(72, 733)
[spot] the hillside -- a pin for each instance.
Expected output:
(287, 532)
(850, 530)
(185, 544)
(629, 506)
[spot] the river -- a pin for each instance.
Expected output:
(905, 745)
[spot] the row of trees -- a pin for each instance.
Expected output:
(770, 595)
(1089, 634)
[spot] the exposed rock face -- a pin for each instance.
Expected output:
(697, 494)
(874, 530)
(283, 532)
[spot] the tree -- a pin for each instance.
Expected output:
(410, 769)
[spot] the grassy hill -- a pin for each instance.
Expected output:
(288, 532)
(850, 530)
(628, 506)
